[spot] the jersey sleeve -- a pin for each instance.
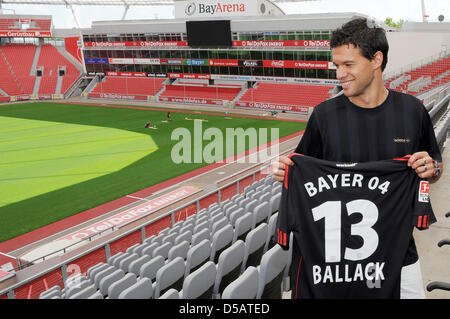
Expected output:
(423, 212)
(428, 142)
(311, 142)
(285, 220)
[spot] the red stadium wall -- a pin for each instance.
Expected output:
(33, 289)
(71, 45)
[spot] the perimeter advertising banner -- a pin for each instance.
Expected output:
(215, 8)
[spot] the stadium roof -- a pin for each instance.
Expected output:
(110, 2)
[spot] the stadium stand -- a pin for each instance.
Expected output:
(20, 57)
(141, 88)
(145, 273)
(422, 78)
(200, 92)
(52, 62)
(288, 94)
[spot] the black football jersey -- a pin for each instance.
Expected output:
(352, 224)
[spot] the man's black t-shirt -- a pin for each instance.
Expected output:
(351, 224)
(341, 131)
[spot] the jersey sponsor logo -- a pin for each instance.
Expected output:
(424, 192)
(402, 140)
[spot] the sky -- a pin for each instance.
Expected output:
(408, 10)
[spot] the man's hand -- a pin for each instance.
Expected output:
(422, 163)
(278, 167)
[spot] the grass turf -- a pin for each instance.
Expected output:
(60, 159)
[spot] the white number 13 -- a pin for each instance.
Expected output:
(331, 211)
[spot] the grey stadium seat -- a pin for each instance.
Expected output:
(170, 294)
(245, 287)
(107, 281)
(260, 213)
(142, 289)
(117, 287)
(184, 236)
(169, 276)
(162, 250)
(179, 250)
(221, 240)
(200, 236)
(136, 265)
(235, 215)
(101, 274)
(200, 283)
(197, 255)
(124, 263)
(150, 268)
(84, 293)
(229, 266)
(271, 271)
(254, 246)
(242, 226)
(272, 227)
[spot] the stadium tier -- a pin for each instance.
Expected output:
(288, 94)
(141, 88)
(220, 244)
(200, 92)
(19, 75)
(422, 78)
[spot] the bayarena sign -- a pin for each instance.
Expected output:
(220, 8)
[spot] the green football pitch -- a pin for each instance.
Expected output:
(60, 159)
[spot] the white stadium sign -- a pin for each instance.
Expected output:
(215, 8)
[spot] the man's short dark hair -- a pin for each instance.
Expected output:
(365, 35)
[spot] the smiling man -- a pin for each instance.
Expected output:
(370, 122)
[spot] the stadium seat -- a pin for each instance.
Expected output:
(108, 280)
(49, 293)
(120, 285)
(271, 232)
(228, 267)
(95, 268)
(270, 272)
(102, 274)
(183, 236)
(135, 266)
(170, 238)
(243, 225)
(170, 275)
(74, 289)
(201, 235)
(244, 287)
(170, 294)
(162, 250)
(222, 222)
(96, 295)
(142, 289)
(287, 270)
(124, 263)
(200, 283)
(149, 248)
(150, 268)
(84, 293)
(260, 214)
(235, 215)
(197, 255)
(179, 250)
(221, 240)
(255, 242)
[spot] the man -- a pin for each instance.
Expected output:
(370, 123)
